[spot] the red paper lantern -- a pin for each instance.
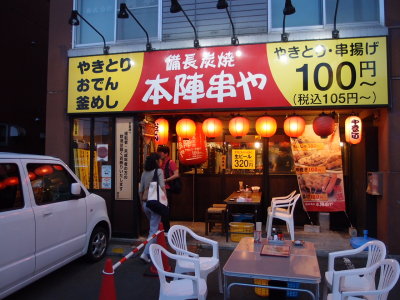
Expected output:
(239, 127)
(266, 126)
(2, 185)
(161, 131)
(353, 130)
(10, 181)
(294, 126)
(193, 151)
(32, 176)
(212, 127)
(58, 168)
(324, 125)
(44, 170)
(185, 128)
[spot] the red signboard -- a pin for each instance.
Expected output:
(193, 151)
(221, 77)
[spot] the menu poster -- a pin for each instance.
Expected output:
(275, 250)
(318, 165)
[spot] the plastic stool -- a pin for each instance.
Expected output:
(215, 214)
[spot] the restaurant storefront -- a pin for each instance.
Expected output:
(257, 23)
(119, 105)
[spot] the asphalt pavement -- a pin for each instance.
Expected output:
(82, 281)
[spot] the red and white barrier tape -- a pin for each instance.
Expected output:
(136, 250)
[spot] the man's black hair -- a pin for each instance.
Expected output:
(163, 149)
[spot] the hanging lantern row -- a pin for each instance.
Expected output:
(353, 130)
(324, 125)
(161, 131)
(294, 126)
(185, 128)
(239, 127)
(266, 126)
(212, 127)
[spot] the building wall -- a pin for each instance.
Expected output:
(60, 41)
(388, 206)
(214, 29)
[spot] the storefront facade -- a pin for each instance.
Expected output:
(103, 111)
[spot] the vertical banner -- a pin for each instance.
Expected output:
(193, 151)
(319, 171)
(123, 159)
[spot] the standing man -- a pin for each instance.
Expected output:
(284, 161)
(171, 172)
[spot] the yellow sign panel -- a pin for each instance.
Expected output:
(103, 83)
(243, 158)
(337, 72)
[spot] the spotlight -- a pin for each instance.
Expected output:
(176, 7)
(73, 20)
(124, 13)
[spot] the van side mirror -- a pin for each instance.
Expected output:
(75, 189)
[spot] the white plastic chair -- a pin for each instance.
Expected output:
(183, 286)
(282, 209)
(376, 253)
(177, 239)
(284, 197)
(389, 271)
(289, 196)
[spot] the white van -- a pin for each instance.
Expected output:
(47, 219)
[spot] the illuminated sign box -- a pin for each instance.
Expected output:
(306, 74)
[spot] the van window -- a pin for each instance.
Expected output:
(50, 183)
(10, 187)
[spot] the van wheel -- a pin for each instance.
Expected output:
(97, 244)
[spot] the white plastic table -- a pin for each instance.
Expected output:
(246, 262)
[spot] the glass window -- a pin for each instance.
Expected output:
(81, 149)
(353, 11)
(146, 11)
(102, 14)
(311, 12)
(102, 158)
(244, 155)
(308, 13)
(92, 151)
(50, 183)
(99, 13)
(280, 155)
(10, 187)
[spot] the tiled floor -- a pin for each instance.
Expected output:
(325, 241)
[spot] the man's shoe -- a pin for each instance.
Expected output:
(145, 258)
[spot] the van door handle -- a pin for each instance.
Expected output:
(46, 214)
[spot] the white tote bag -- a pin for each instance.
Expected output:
(152, 195)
